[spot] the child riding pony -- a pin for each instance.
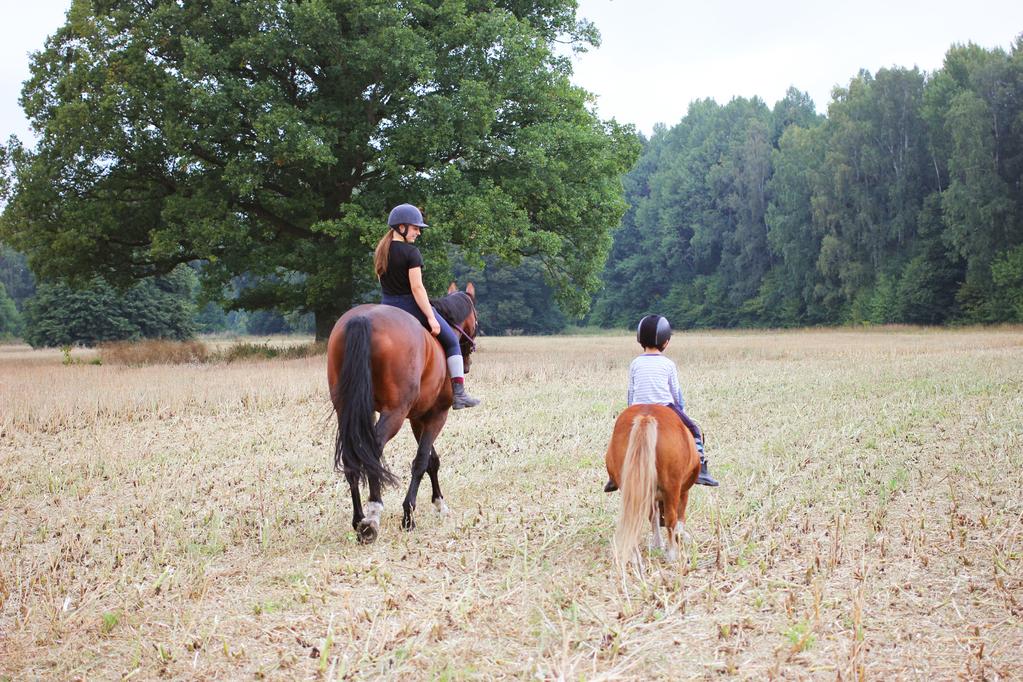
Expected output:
(653, 458)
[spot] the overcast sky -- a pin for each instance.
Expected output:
(659, 55)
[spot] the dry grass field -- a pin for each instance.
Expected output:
(184, 521)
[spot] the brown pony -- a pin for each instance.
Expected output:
(652, 458)
(380, 358)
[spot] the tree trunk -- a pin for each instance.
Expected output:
(325, 319)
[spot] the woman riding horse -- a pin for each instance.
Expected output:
(399, 266)
(381, 360)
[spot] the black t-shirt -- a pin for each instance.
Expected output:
(400, 259)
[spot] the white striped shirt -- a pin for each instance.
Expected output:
(653, 379)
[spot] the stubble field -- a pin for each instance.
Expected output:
(185, 522)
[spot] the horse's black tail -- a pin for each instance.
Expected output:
(357, 450)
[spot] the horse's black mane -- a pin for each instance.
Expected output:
(454, 307)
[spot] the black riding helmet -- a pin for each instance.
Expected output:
(653, 332)
(405, 214)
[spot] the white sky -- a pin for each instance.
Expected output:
(659, 55)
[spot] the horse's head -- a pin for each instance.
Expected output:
(461, 306)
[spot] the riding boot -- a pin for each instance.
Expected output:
(705, 478)
(462, 399)
(610, 486)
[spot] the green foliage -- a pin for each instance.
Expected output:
(110, 620)
(926, 290)
(271, 138)
(60, 314)
(513, 299)
(875, 304)
(15, 276)
(1007, 276)
(211, 318)
(264, 322)
(10, 318)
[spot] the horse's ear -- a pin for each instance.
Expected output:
(452, 288)
(471, 290)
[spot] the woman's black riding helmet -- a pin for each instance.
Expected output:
(405, 214)
(653, 332)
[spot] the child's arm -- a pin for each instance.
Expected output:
(632, 381)
(676, 390)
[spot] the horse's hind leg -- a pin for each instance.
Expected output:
(437, 498)
(357, 515)
(420, 465)
(680, 528)
(670, 518)
(655, 528)
(368, 528)
(426, 432)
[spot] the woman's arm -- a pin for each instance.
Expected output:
(415, 280)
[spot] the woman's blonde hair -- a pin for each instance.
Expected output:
(382, 252)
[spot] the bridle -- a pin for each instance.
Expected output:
(470, 340)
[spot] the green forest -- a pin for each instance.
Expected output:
(903, 205)
(231, 171)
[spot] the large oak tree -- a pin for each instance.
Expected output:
(270, 137)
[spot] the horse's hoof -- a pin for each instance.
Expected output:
(672, 556)
(367, 532)
(408, 523)
(442, 507)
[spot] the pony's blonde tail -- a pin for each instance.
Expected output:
(639, 487)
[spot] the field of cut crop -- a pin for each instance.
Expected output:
(184, 521)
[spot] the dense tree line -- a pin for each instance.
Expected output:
(903, 204)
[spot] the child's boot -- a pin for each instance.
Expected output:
(704, 478)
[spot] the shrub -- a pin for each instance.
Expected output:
(153, 352)
(264, 351)
(158, 307)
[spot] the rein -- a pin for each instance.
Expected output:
(470, 339)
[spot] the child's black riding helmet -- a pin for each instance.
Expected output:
(653, 332)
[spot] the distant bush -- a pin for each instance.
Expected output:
(157, 307)
(264, 351)
(153, 352)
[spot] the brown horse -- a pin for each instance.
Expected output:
(652, 458)
(380, 358)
